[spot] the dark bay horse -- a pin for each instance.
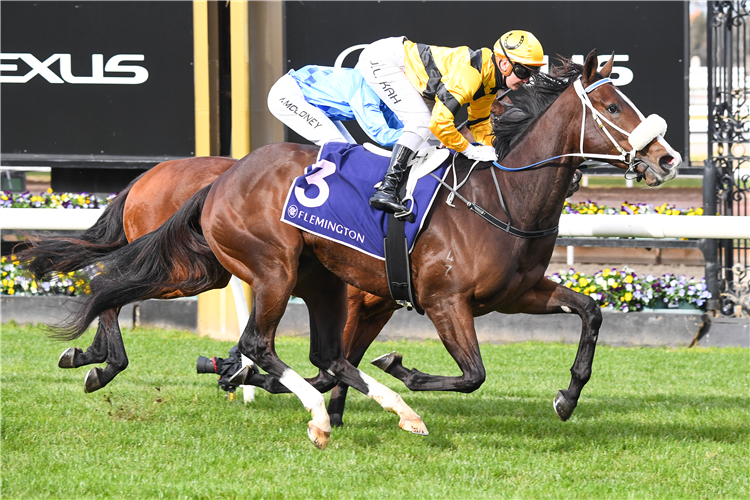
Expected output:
(462, 266)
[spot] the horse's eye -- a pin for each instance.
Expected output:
(613, 108)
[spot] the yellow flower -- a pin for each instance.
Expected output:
(583, 282)
(576, 289)
(605, 273)
(628, 297)
(71, 289)
(568, 284)
(3, 260)
(698, 211)
(592, 288)
(11, 291)
(49, 190)
(628, 279)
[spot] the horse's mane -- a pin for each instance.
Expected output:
(528, 105)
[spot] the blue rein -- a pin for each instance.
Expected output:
(588, 89)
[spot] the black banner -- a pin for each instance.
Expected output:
(649, 39)
(111, 79)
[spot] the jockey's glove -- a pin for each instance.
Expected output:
(480, 153)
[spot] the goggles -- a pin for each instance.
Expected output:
(521, 71)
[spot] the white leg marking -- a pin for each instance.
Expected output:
(311, 399)
(392, 402)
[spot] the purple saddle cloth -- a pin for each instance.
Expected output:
(331, 199)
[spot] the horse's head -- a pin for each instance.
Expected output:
(634, 142)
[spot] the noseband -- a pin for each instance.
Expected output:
(649, 129)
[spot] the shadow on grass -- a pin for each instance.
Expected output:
(679, 418)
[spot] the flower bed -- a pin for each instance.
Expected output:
(16, 282)
(625, 291)
(51, 199)
(610, 288)
(592, 208)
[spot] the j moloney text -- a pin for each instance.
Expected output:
(325, 224)
(302, 114)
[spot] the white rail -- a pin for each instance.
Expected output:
(638, 226)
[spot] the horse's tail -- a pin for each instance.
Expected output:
(175, 257)
(66, 254)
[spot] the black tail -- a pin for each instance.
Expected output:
(174, 257)
(66, 254)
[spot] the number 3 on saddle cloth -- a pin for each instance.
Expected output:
(331, 199)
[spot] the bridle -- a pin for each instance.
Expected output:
(649, 129)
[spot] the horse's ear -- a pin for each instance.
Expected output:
(607, 68)
(589, 67)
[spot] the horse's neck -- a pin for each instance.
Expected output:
(535, 197)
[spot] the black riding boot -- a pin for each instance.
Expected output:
(386, 197)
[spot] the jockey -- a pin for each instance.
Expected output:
(405, 74)
(314, 100)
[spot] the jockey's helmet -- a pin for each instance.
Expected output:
(520, 47)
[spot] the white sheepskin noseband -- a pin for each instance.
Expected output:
(648, 130)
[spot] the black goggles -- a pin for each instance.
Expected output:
(521, 71)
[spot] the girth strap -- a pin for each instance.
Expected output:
(397, 259)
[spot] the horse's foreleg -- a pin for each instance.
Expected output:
(326, 299)
(548, 297)
(117, 359)
(455, 326)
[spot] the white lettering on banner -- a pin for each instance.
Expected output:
(317, 179)
(98, 68)
(326, 224)
(621, 75)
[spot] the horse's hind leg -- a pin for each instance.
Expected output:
(326, 299)
(548, 297)
(107, 346)
(367, 315)
(74, 357)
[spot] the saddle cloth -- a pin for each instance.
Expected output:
(331, 199)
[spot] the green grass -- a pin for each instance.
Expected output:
(602, 182)
(652, 423)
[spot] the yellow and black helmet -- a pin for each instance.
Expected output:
(520, 47)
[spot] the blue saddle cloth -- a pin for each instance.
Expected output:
(331, 199)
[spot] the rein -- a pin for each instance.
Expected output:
(484, 214)
(628, 157)
(649, 129)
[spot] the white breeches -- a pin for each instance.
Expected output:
(287, 103)
(382, 67)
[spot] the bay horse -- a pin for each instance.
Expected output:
(462, 267)
(144, 205)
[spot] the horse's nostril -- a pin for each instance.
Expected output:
(667, 162)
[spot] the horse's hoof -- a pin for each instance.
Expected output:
(414, 425)
(318, 437)
(92, 382)
(67, 358)
(563, 406)
(241, 377)
(387, 361)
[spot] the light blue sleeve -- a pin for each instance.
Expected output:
(365, 105)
